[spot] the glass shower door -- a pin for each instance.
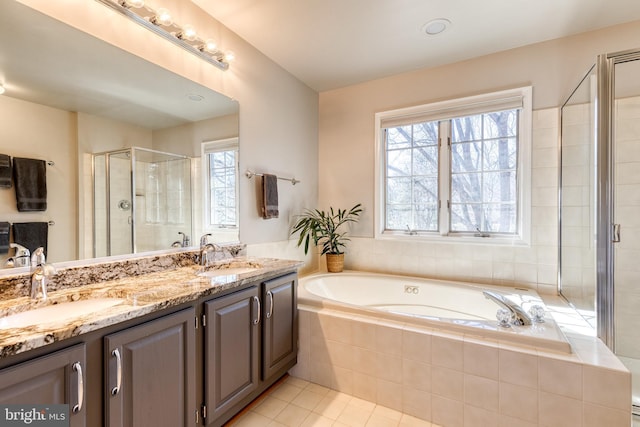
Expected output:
(625, 121)
(577, 179)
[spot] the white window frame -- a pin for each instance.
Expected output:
(506, 99)
(207, 147)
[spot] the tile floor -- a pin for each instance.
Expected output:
(293, 402)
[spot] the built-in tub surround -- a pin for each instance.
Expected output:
(159, 282)
(456, 378)
(442, 304)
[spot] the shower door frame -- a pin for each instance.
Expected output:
(107, 159)
(605, 190)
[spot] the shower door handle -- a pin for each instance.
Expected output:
(616, 233)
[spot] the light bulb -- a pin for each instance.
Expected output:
(188, 33)
(210, 45)
(163, 17)
(2, 90)
(229, 56)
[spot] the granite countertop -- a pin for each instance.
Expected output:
(140, 295)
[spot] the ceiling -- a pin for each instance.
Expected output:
(334, 43)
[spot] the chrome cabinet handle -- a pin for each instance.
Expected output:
(270, 312)
(257, 319)
(116, 389)
(78, 407)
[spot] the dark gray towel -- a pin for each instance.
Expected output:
(269, 196)
(6, 171)
(30, 179)
(31, 235)
(4, 237)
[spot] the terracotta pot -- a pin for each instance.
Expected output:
(335, 263)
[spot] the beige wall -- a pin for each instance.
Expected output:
(346, 154)
(278, 113)
(35, 131)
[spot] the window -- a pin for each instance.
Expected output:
(457, 168)
(220, 164)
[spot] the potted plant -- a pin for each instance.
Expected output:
(325, 228)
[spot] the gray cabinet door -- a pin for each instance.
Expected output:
(280, 325)
(51, 379)
(231, 350)
(150, 378)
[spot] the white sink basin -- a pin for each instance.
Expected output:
(226, 271)
(57, 313)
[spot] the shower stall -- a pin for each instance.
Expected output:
(141, 201)
(599, 205)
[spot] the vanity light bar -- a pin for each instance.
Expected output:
(160, 22)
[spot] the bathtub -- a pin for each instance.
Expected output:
(447, 305)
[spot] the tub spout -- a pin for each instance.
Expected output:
(521, 316)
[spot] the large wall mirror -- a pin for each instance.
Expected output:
(141, 158)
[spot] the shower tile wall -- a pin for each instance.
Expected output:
(533, 267)
(627, 213)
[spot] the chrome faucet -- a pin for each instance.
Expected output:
(22, 255)
(185, 239)
(204, 239)
(40, 273)
(521, 316)
(204, 253)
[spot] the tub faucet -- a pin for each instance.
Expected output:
(40, 273)
(521, 316)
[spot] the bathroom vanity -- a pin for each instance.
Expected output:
(176, 347)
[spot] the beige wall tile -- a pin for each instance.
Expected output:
(560, 377)
(416, 374)
(518, 402)
(416, 403)
(416, 346)
(447, 352)
(596, 416)
(518, 368)
(365, 387)
(447, 383)
(557, 411)
(363, 335)
(481, 392)
(389, 394)
(447, 412)
(481, 360)
(389, 367)
(607, 387)
(474, 417)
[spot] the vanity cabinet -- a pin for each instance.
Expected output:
(251, 340)
(57, 378)
(279, 324)
(231, 350)
(150, 373)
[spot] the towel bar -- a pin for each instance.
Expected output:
(249, 174)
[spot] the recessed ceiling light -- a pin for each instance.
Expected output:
(195, 97)
(436, 26)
